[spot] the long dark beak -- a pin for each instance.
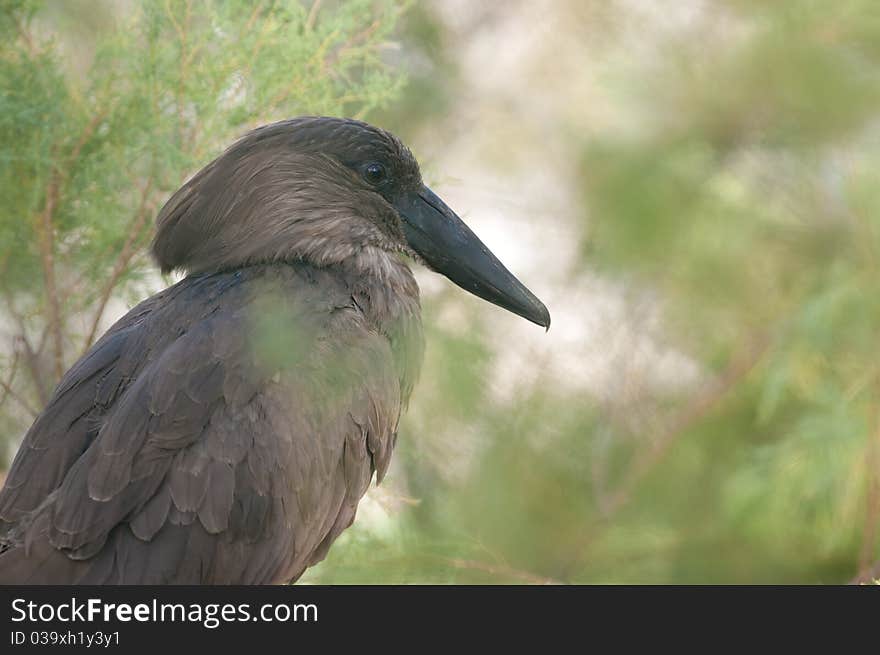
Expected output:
(450, 247)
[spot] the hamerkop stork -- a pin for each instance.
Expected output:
(182, 448)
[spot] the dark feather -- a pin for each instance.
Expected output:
(198, 464)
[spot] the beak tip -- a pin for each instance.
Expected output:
(542, 318)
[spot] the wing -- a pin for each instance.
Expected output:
(71, 420)
(142, 456)
(69, 423)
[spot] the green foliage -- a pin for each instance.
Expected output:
(745, 206)
(742, 193)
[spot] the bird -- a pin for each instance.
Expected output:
(181, 448)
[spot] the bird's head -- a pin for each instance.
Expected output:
(328, 191)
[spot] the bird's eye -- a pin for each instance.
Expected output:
(374, 173)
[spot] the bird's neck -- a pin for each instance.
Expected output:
(381, 266)
(383, 284)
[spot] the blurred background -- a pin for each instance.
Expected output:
(692, 187)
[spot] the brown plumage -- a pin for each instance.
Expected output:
(182, 448)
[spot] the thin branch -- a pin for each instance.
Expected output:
(739, 366)
(45, 228)
(11, 378)
(700, 406)
(361, 37)
(258, 8)
(122, 261)
(32, 357)
(183, 69)
(84, 138)
(259, 42)
(313, 15)
(28, 39)
(41, 344)
(21, 400)
(328, 61)
(46, 242)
